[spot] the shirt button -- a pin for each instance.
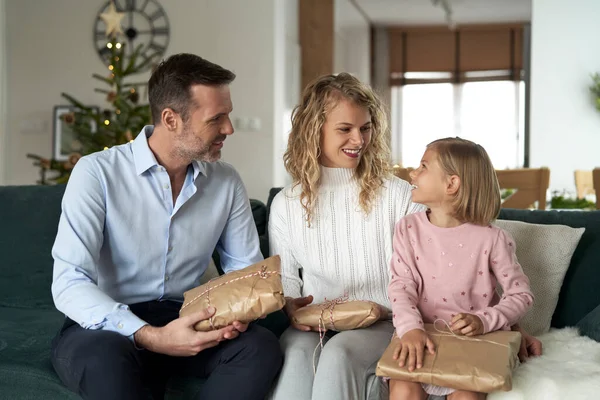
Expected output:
(166, 186)
(166, 278)
(170, 248)
(120, 326)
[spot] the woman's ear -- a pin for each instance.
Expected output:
(453, 184)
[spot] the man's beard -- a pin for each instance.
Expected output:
(199, 149)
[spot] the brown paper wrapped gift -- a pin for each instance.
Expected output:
(481, 363)
(338, 315)
(244, 295)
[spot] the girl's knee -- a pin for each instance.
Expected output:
(466, 395)
(402, 390)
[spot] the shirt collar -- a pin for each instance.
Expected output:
(199, 168)
(144, 159)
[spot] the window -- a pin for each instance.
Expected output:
(490, 113)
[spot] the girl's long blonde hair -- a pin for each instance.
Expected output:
(478, 198)
(301, 159)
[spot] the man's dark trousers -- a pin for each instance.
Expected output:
(103, 365)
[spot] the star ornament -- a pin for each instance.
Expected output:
(112, 19)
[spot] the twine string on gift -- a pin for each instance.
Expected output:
(327, 305)
(263, 274)
(450, 332)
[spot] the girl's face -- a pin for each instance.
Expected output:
(430, 182)
(345, 135)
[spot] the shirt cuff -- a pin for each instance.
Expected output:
(125, 322)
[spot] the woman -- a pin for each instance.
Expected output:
(333, 228)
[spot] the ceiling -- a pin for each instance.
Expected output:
(423, 12)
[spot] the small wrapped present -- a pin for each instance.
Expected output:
(338, 315)
(482, 363)
(244, 295)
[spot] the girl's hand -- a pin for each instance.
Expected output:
(467, 324)
(411, 346)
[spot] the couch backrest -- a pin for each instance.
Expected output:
(28, 223)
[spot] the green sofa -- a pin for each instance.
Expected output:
(28, 320)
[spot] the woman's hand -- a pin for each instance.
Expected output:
(291, 305)
(410, 351)
(530, 345)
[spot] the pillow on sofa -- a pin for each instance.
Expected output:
(579, 294)
(544, 252)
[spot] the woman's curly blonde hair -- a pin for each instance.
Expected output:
(301, 157)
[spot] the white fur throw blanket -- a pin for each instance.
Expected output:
(569, 369)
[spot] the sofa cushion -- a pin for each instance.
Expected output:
(544, 252)
(25, 368)
(29, 216)
(579, 293)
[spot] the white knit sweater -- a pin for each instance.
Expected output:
(344, 251)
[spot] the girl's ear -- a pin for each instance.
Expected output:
(453, 184)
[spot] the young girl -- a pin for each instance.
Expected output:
(448, 259)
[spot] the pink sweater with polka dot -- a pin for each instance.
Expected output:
(439, 272)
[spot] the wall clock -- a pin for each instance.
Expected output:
(135, 23)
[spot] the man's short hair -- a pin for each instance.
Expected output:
(170, 83)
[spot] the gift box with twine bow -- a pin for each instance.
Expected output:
(338, 314)
(483, 363)
(244, 295)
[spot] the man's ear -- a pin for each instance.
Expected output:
(169, 119)
(453, 184)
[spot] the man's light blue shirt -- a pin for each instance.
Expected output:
(121, 240)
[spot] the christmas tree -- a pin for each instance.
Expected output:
(95, 129)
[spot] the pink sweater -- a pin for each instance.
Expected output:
(439, 272)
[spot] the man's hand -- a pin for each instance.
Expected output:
(179, 338)
(466, 324)
(411, 346)
(530, 345)
(291, 305)
(241, 327)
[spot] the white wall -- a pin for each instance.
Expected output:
(3, 151)
(381, 83)
(565, 126)
(287, 82)
(352, 41)
(245, 43)
(238, 34)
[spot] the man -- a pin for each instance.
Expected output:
(138, 226)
